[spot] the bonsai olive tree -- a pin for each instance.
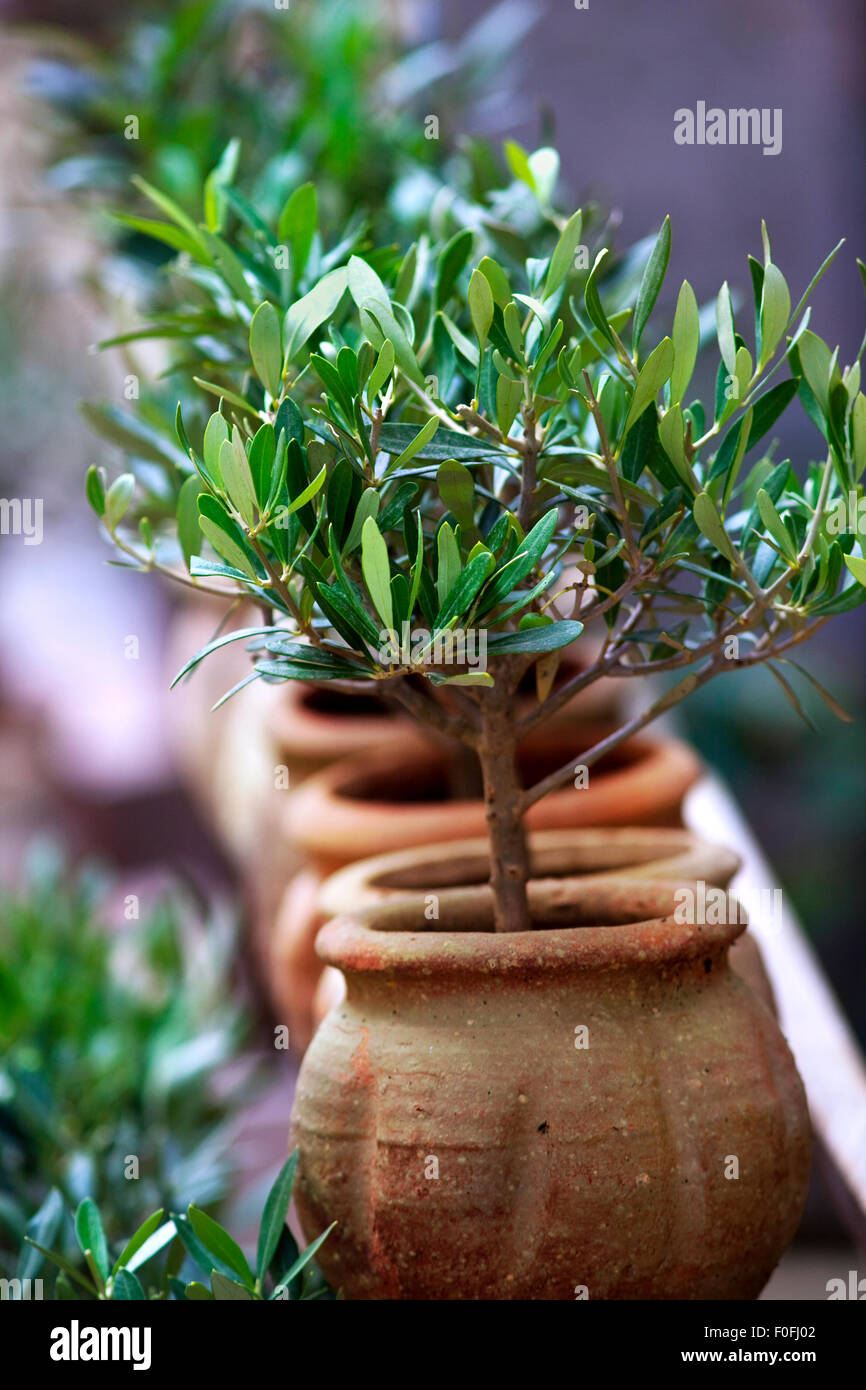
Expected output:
(437, 465)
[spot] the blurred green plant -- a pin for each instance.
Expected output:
(160, 1259)
(114, 1037)
(324, 87)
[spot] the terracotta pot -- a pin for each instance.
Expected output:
(673, 855)
(596, 1109)
(397, 797)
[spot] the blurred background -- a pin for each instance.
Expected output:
(87, 760)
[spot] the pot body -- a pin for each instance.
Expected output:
(595, 1111)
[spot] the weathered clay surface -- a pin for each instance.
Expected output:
(608, 1166)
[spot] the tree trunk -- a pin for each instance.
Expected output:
(509, 856)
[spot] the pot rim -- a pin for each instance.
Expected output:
(645, 852)
(392, 937)
(325, 811)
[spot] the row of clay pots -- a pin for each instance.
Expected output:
(400, 795)
(600, 1107)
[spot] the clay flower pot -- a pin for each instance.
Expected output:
(600, 1109)
(402, 795)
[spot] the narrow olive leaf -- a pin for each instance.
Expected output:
(739, 454)
(151, 1245)
(126, 1288)
(381, 371)
(145, 1230)
(40, 1231)
(426, 433)
(790, 695)
(518, 162)
(225, 393)
(215, 434)
(497, 279)
(858, 435)
(274, 1215)
(308, 493)
(857, 565)
(686, 340)
(672, 439)
(709, 523)
(592, 300)
(466, 587)
(651, 282)
(95, 490)
(509, 398)
(228, 1290)
(829, 700)
(775, 311)
(377, 571)
(237, 479)
(457, 490)
(266, 349)
(310, 312)
(214, 526)
(816, 361)
(448, 554)
(725, 329)
(651, 378)
(368, 505)
(775, 525)
(91, 1236)
(742, 374)
(535, 639)
(297, 225)
(562, 260)
(218, 1242)
(807, 294)
(481, 306)
(302, 1261)
(117, 499)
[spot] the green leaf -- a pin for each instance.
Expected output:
(686, 339)
(215, 434)
(858, 435)
(448, 444)
(303, 1260)
(481, 306)
(549, 638)
(775, 311)
(452, 259)
(237, 479)
(651, 378)
(308, 493)
(710, 524)
(382, 370)
(725, 329)
(562, 260)
(91, 1236)
(151, 1246)
(426, 433)
(95, 490)
(857, 565)
(266, 348)
(672, 438)
(651, 282)
(126, 1288)
(145, 1230)
(816, 362)
(218, 1242)
(228, 1290)
(775, 525)
(225, 393)
(497, 279)
(297, 226)
(310, 312)
(463, 592)
(377, 571)
(457, 490)
(518, 162)
(509, 398)
(218, 529)
(368, 506)
(118, 498)
(592, 300)
(229, 267)
(449, 563)
(274, 1215)
(40, 1230)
